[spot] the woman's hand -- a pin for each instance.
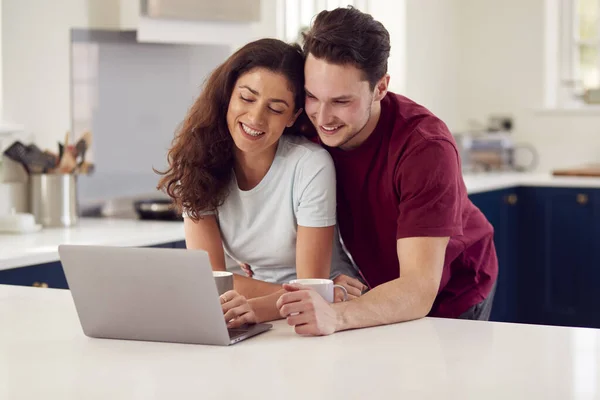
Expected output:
(237, 310)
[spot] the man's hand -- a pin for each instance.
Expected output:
(307, 311)
(353, 286)
(247, 269)
(236, 310)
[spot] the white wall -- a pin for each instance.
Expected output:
(392, 14)
(502, 71)
(425, 54)
(432, 56)
(35, 59)
(1, 73)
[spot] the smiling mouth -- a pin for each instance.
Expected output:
(330, 129)
(251, 131)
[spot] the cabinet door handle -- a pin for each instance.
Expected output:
(40, 284)
(582, 198)
(511, 199)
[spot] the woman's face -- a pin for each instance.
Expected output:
(260, 108)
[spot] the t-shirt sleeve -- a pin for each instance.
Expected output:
(315, 188)
(429, 182)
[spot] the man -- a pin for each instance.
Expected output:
(403, 211)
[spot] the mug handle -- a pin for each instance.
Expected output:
(343, 290)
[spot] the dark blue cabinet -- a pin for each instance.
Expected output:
(502, 211)
(51, 275)
(547, 240)
(171, 245)
(560, 257)
(42, 275)
(179, 245)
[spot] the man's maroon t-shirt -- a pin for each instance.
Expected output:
(404, 181)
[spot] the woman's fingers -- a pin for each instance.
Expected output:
(236, 309)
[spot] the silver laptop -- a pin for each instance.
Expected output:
(152, 294)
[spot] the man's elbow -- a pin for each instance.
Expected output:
(425, 298)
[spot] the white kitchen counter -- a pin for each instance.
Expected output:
(42, 247)
(44, 354)
(18, 250)
(485, 182)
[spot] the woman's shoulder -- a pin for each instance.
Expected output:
(302, 149)
(310, 164)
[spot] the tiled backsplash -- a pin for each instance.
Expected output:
(132, 97)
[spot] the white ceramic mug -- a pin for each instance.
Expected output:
(223, 280)
(324, 287)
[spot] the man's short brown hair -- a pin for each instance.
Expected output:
(349, 36)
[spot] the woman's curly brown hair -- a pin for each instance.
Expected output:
(201, 156)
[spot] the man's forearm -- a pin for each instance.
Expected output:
(395, 301)
(265, 307)
(251, 288)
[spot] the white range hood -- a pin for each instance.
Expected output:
(245, 11)
(221, 22)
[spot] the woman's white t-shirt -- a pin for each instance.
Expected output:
(259, 226)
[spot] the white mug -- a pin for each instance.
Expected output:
(223, 280)
(322, 286)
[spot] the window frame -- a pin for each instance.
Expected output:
(570, 91)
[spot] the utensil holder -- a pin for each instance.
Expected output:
(53, 199)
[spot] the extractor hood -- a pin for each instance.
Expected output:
(245, 11)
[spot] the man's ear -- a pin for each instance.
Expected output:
(381, 88)
(294, 118)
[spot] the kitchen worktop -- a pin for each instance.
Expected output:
(44, 354)
(484, 182)
(42, 247)
(18, 250)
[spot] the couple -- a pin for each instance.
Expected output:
(256, 191)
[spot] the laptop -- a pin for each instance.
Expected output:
(150, 294)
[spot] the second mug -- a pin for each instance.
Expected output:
(325, 287)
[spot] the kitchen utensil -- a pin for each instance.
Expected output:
(67, 163)
(495, 152)
(53, 199)
(158, 209)
(34, 160)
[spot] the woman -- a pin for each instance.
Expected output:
(253, 191)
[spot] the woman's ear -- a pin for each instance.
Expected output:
(294, 118)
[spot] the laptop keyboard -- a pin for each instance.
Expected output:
(237, 332)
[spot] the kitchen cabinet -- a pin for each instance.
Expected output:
(560, 257)
(549, 261)
(51, 275)
(48, 275)
(179, 245)
(502, 211)
(171, 245)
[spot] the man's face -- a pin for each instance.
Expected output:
(338, 102)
